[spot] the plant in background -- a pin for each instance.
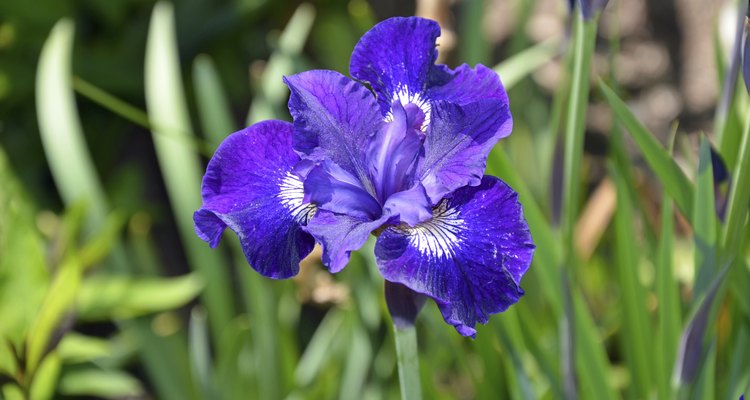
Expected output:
(405, 163)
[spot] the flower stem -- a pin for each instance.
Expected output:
(408, 362)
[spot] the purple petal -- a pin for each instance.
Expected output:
(331, 188)
(341, 234)
(392, 155)
(396, 58)
(333, 118)
(412, 206)
(249, 187)
(458, 143)
(469, 257)
(467, 85)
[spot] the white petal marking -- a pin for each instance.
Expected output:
(405, 96)
(291, 193)
(438, 237)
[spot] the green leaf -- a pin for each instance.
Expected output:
(318, 350)
(636, 333)
(107, 384)
(665, 168)
(11, 391)
(521, 65)
(214, 111)
(8, 363)
(270, 100)
(104, 241)
(57, 303)
(60, 127)
(705, 223)
(200, 353)
(180, 165)
(357, 364)
(24, 277)
(76, 348)
(669, 301)
(738, 199)
(44, 382)
(107, 297)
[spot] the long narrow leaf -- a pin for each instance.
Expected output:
(180, 165)
(636, 331)
(669, 173)
(216, 117)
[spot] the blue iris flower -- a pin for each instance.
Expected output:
(402, 158)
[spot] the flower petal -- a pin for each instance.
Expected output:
(467, 85)
(392, 155)
(469, 257)
(331, 188)
(458, 143)
(249, 187)
(412, 206)
(333, 118)
(396, 58)
(341, 234)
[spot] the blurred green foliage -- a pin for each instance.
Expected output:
(111, 295)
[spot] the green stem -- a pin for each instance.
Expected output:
(583, 42)
(408, 362)
(585, 36)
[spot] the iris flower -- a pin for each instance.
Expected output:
(398, 152)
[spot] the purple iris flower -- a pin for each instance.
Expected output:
(400, 152)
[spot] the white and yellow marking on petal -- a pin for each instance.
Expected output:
(291, 194)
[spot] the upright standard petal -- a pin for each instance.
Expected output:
(469, 257)
(458, 143)
(396, 58)
(467, 85)
(249, 187)
(392, 155)
(333, 118)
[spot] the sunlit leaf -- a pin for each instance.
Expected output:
(104, 297)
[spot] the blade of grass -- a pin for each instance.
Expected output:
(591, 360)
(180, 166)
(60, 128)
(200, 353)
(215, 115)
(636, 331)
(704, 222)
(357, 363)
(739, 198)
(260, 299)
(668, 172)
(112, 103)
(669, 301)
(583, 47)
(131, 112)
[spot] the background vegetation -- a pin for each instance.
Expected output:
(110, 109)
